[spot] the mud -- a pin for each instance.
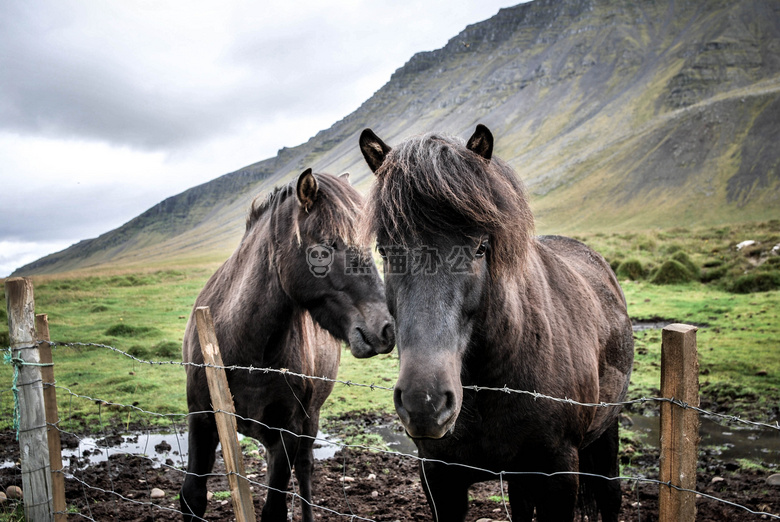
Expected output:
(370, 485)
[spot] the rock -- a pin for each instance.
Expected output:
(157, 493)
(715, 480)
(371, 476)
(744, 244)
(374, 493)
(162, 447)
(3, 498)
(14, 492)
(773, 480)
(346, 479)
(209, 495)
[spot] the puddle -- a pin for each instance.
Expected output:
(658, 324)
(730, 442)
(158, 447)
(395, 440)
(638, 326)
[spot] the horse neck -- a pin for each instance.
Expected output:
(508, 327)
(255, 307)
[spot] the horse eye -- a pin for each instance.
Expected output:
(481, 249)
(381, 251)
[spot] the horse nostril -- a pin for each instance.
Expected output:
(447, 409)
(399, 406)
(388, 333)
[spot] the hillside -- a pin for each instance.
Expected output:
(616, 114)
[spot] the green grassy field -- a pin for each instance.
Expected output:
(144, 314)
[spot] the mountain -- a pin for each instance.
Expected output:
(617, 114)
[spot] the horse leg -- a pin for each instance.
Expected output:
(556, 497)
(447, 491)
(601, 458)
(520, 498)
(281, 453)
(202, 440)
(304, 465)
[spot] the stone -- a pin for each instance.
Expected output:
(3, 498)
(157, 493)
(715, 480)
(14, 492)
(773, 480)
(209, 495)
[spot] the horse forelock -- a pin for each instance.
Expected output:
(334, 216)
(431, 184)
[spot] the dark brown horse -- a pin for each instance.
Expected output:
(478, 300)
(298, 282)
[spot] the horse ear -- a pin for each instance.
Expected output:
(307, 189)
(345, 176)
(481, 142)
(374, 150)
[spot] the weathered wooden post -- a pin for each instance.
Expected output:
(52, 418)
(679, 426)
(33, 444)
(222, 402)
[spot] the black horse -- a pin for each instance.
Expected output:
(479, 300)
(298, 280)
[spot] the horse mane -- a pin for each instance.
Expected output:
(431, 183)
(335, 212)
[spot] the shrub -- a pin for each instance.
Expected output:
(137, 351)
(713, 274)
(682, 258)
(631, 269)
(672, 249)
(671, 272)
(761, 282)
(125, 330)
(167, 349)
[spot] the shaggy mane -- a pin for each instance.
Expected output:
(433, 183)
(334, 215)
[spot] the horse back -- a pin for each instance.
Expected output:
(616, 344)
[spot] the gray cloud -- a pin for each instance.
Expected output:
(139, 100)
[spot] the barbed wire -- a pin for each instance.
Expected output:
(498, 474)
(294, 495)
(505, 389)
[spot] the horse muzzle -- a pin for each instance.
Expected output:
(369, 338)
(428, 395)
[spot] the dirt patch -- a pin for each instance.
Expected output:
(373, 486)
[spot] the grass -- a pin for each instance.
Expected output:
(145, 314)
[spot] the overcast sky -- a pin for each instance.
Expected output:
(107, 108)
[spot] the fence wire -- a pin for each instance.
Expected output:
(294, 496)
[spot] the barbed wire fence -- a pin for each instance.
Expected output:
(177, 420)
(76, 477)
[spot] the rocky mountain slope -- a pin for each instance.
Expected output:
(616, 114)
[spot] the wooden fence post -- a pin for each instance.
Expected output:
(33, 444)
(679, 426)
(222, 402)
(52, 418)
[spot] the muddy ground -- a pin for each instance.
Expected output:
(370, 485)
